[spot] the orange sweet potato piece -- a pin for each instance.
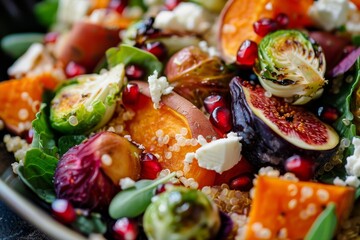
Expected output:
(287, 209)
(175, 116)
(238, 16)
(20, 100)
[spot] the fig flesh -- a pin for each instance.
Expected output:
(88, 174)
(273, 130)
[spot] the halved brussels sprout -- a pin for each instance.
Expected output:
(181, 213)
(292, 66)
(88, 104)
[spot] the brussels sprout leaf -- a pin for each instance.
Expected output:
(127, 54)
(67, 142)
(324, 226)
(43, 135)
(133, 201)
(38, 173)
(90, 224)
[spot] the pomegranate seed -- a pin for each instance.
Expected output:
(73, 69)
(134, 72)
(63, 210)
(118, 5)
(156, 48)
(303, 168)
(242, 183)
(130, 94)
(29, 136)
(150, 167)
(51, 37)
(221, 119)
(265, 26)
(213, 101)
(328, 114)
(247, 53)
(282, 20)
(171, 4)
(125, 229)
(148, 157)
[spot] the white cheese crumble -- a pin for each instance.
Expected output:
(158, 87)
(330, 14)
(126, 183)
(70, 11)
(186, 17)
(208, 49)
(220, 155)
(353, 162)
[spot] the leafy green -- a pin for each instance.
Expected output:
(67, 142)
(324, 226)
(43, 139)
(45, 12)
(90, 224)
(38, 173)
(16, 44)
(133, 201)
(127, 54)
(344, 125)
(137, 3)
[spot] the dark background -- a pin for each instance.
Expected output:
(16, 16)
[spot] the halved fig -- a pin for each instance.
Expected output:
(195, 74)
(273, 130)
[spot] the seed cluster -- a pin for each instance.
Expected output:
(229, 201)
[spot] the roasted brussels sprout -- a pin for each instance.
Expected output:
(181, 213)
(87, 104)
(292, 66)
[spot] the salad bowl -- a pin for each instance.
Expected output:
(189, 119)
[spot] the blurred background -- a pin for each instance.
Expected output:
(16, 16)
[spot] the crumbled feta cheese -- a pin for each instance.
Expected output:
(352, 181)
(339, 182)
(126, 183)
(186, 17)
(208, 49)
(353, 162)
(70, 11)
(158, 87)
(330, 14)
(219, 155)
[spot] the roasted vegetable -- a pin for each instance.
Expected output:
(86, 44)
(195, 74)
(20, 100)
(87, 104)
(295, 205)
(291, 66)
(88, 174)
(273, 130)
(181, 213)
(238, 16)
